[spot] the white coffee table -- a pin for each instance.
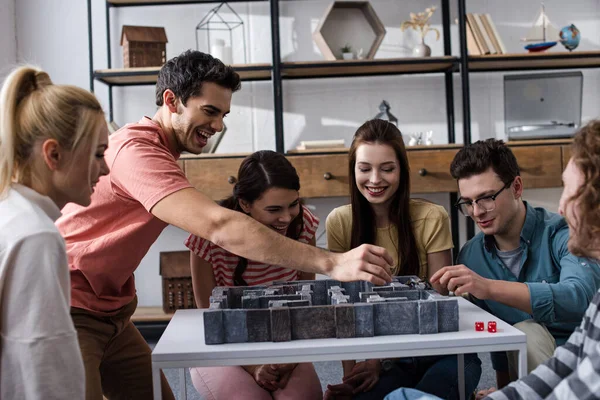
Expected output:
(182, 346)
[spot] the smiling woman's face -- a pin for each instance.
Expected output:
(276, 208)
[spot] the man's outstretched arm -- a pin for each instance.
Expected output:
(196, 213)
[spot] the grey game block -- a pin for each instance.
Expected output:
(332, 282)
(399, 286)
(234, 296)
(409, 294)
(264, 300)
(339, 299)
(252, 301)
(214, 306)
(353, 289)
(234, 325)
(253, 292)
(428, 317)
(316, 322)
(280, 324)
(306, 287)
(289, 303)
(299, 303)
(319, 292)
(221, 299)
(396, 318)
(277, 303)
(376, 299)
(344, 321)
(213, 327)
(306, 296)
(447, 315)
(258, 323)
(377, 289)
(363, 320)
(406, 294)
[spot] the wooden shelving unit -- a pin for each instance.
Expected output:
(137, 3)
(383, 66)
(537, 61)
(149, 75)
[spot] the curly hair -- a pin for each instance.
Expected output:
(186, 73)
(586, 157)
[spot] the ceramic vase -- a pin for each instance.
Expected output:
(422, 50)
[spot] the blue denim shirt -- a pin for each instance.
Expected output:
(560, 284)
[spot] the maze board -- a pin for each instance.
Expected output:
(326, 308)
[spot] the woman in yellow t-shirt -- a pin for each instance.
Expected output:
(417, 234)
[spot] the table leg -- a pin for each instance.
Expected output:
(182, 385)
(156, 382)
(461, 376)
(522, 361)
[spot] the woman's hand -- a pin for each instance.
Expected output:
(265, 376)
(363, 376)
(285, 372)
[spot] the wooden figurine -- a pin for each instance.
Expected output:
(143, 46)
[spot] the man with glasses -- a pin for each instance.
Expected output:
(518, 267)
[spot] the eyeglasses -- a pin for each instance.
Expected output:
(487, 203)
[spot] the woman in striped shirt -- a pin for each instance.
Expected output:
(267, 189)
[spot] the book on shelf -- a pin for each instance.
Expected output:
(321, 144)
(484, 33)
(472, 47)
(477, 34)
(496, 37)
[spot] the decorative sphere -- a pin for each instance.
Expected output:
(570, 37)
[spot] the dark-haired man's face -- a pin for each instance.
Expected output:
(201, 117)
(495, 219)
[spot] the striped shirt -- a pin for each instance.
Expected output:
(573, 372)
(224, 262)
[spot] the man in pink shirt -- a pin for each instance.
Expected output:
(144, 192)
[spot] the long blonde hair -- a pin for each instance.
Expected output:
(33, 109)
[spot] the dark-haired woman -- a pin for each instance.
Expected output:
(417, 235)
(267, 190)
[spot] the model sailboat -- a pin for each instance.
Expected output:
(542, 32)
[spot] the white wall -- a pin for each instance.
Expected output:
(8, 39)
(54, 35)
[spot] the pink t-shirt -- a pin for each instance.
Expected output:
(107, 240)
(224, 263)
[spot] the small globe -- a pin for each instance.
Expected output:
(570, 37)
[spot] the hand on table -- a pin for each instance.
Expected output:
(366, 263)
(483, 393)
(364, 375)
(265, 376)
(285, 372)
(460, 279)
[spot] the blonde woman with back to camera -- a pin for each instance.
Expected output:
(52, 143)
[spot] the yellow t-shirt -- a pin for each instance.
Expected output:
(431, 227)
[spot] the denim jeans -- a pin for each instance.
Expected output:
(437, 375)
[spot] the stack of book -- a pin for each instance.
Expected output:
(482, 36)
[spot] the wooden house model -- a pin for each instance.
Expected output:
(143, 46)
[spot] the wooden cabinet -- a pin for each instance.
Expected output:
(326, 175)
(430, 170)
(214, 177)
(541, 166)
(323, 175)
